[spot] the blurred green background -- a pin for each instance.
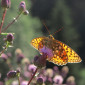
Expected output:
(56, 14)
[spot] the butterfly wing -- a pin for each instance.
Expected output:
(73, 57)
(59, 55)
(37, 42)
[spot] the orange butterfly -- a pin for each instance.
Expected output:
(57, 52)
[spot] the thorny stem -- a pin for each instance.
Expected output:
(11, 22)
(3, 17)
(32, 76)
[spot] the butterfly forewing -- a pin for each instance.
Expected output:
(36, 42)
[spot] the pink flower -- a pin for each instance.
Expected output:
(58, 79)
(4, 56)
(24, 83)
(32, 68)
(47, 51)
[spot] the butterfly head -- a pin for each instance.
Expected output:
(51, 37)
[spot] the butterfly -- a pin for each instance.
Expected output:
(57, 52)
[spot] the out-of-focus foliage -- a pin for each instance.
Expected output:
(25, 28)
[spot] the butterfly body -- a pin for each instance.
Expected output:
(57, 52)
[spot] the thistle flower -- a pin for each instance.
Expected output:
(39, 81)
(64, 71)
(5, 4)
(40, 61)
(49, 73)
(12, 74)
(4, 56)
(46, 50)
(24, 83)
(58, 79)
(26, 61)
(49, 81)
(22, 6)
(10, 37)
(32, 68)
(19, 58)
(18, 51)
(70, 80)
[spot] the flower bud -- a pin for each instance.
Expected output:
(49, 73)
(18, 51)
(4, 56)
(19, 58)
(5, 3)
(64, 71)
(40, 61)
(10, 37)
(49, 81)
(26, 12)
(39, 81)
(12, 74)
(22, 7)
(70, 80)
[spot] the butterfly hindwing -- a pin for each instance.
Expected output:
(73, 57)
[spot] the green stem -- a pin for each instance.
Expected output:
(18, 81)
(7, 45)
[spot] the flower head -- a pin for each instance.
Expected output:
(4, 56)
(18, 51)
(5, 3)
(58, 79)
(10, 37)
(64, 71)
(70, 80)
(11, 74)
(32, 68)
(22, 6)
(40, 81)
(19, 58)
(24, 83)
(40, 61)
(49, 73)
(46, 50)
(49, 81)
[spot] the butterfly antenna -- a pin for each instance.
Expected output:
(58, 30)
(46, 27)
